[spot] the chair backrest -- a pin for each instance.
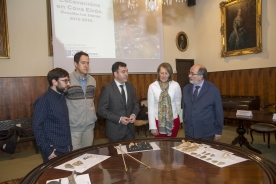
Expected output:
(143, 101)
(142, 115)
(269, 107)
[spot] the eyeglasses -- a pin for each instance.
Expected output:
(190, 73)
(66, 80)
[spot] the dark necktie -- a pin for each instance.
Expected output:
(195, 93)
(123, 93)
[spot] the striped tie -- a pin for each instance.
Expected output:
(195, 93)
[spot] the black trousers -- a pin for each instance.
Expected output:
(211, 138)
(127, 136)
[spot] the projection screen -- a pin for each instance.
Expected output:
(108, 33)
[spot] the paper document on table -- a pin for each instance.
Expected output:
(124, 149)
(80, 179)
(82, 163)
(274, 116)
(244, 113)
(220, 158)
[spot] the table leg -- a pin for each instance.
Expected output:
(241, 139)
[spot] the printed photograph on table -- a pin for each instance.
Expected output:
(241, 29)
(182, 41)
(4, 35)
(219, 158)
(82, 163)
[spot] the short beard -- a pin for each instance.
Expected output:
(194, 82)
(60, 90)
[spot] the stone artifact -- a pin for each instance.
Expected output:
(183, 144)
(69, 166)
(138, 146)
(77, 163)
(226, 155)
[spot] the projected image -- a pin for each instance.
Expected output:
(133, 38)
(107, 32)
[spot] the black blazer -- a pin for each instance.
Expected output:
(111, 106)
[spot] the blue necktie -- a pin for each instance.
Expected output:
(195, 93)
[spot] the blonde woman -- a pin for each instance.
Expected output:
(164, 103)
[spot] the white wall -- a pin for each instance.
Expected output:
(208, 39)
(176, 18)
(27, 24)
(28, 37)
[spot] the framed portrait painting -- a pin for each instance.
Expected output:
(182, 41)
(4, 35)
(241, 27)
(50, 33)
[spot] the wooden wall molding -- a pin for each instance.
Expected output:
(19, 93)
(260, 82)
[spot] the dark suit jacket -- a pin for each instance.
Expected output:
(111, 107)
(204, 116)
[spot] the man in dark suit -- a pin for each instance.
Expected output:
(202, 106)
(118, 105)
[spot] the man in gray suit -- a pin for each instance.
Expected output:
(202, 106)
(118, 105)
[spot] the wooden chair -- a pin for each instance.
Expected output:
(143, 101)
(264, 128)
(141, 124)
(142, 121)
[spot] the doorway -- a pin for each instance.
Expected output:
(183, 67)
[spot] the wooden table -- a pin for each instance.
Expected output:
(167, 166)
(258, 117)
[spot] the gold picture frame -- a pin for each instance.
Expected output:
(50, 33)
(182, 41)
(4, 34)
(241, 27)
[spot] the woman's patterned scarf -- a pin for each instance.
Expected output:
(165, 115)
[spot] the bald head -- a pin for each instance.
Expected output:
(197, 74)
(199, 69)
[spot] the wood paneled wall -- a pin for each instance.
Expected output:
(19, 93)
(252, 82)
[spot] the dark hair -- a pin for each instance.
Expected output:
(169, 69)
(202, 71)
(56, 74)
(78, 55)
(115, 66)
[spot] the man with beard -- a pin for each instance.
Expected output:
(51, 120)
(118, 105)
(202, 106)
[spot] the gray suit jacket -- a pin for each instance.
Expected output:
(204, 116)
(111, 107)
